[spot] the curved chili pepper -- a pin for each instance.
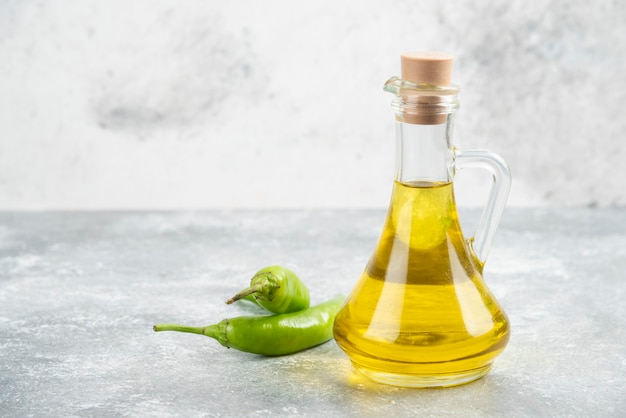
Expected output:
(271, 335)
(276, 289)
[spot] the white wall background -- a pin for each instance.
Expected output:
(247, 104)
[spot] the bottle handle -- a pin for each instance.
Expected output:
(480, 243)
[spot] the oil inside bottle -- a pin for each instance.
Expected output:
(421, 315)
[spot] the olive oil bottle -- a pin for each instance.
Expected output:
(420, 315)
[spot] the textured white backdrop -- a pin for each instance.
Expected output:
(253, 104)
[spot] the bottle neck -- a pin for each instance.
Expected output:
(424, 153)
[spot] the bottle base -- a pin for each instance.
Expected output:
(423, 381)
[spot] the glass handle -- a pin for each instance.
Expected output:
(501, 175)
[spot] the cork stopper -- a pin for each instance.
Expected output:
(428, 68)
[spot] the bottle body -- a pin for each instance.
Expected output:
(420, 315)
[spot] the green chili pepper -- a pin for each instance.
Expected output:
(271, 335)
(276, 289)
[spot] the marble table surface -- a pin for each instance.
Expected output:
(80, 291)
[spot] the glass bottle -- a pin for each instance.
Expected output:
(420, 315)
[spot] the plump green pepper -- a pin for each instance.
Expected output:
(271, 335)
(276, 289)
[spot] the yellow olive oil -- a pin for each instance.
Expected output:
(421, 315)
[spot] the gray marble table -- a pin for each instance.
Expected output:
(79, 292)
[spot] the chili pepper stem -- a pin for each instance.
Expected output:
(245, 292)
(209, 331)
(258, 287)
